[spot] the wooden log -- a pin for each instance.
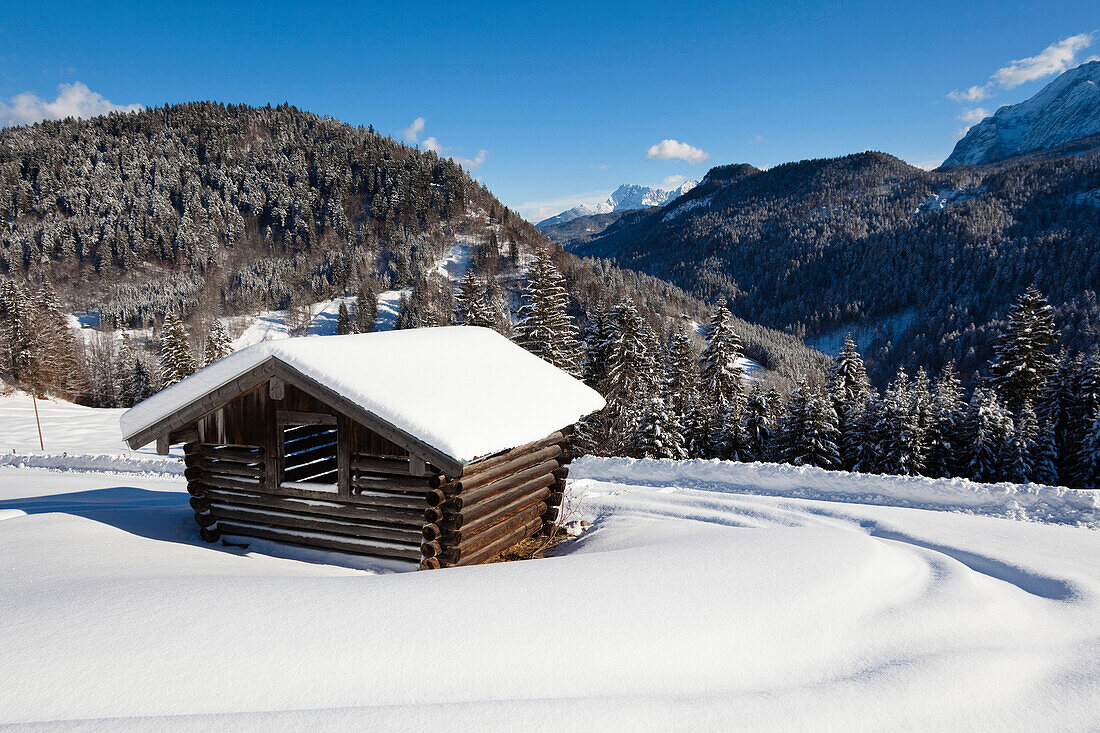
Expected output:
(389, 482)
(195, 488)
(256, 515)
(430, 548)
(494, 549)
(239, 453)
(562, 473)
(199, 504)
(435, 497)
(224, 482)
(485, 523)
(533, 491)
(490, 462)
(190, 435)
(380, 498)
(396, 466)
(503, 469)
(433, 514)
(231, 468)
(431, 531)
(335, 508)
(469, 498)
(437, 480)
(192, 472)
(210, 534)
(297, 417)
(361, 546)
(206, 519)
(473, 541)
(430, 563)
(191, 447)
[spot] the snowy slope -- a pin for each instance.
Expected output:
(1066, 109)
(681, 608)
(626, 196)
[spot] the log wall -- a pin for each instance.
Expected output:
(496, 502)
(389, 502)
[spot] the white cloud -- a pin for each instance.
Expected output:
(73, 100)
(673, 181)
(973, 94)
(599, 167)
(432, 144)
(674, 150)
(974, 116)
(412, 132)
(1054, 59)
(760, 139)
(471, 162)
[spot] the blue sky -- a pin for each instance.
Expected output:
(558, 103)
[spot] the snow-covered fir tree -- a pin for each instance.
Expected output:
(945, 439)
(989, 428)
(218, 345)
(366, 309)
(721, 374)
(1023, 361)
(759, 424)
(1088, 458)
(545, 328)
(808, 429)
(176, 358)
(343, 320)
(632, 374)
(657, 434)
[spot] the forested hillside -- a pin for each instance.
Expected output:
(923, 265)
(166, 220)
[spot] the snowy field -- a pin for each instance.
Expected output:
(705, 596)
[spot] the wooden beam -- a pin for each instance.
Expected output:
(162, 444)
(298, 417)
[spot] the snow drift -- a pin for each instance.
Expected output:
(1028, 501)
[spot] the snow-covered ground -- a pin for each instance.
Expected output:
(705, 596)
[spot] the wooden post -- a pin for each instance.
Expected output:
(162, 444)
(34, 399)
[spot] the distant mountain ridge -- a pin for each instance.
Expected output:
(627, 196)
(1065, 110)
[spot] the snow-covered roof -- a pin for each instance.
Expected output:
(467, 392)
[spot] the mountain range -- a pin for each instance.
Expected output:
(919, 265)
(209, 210)
(626, 197)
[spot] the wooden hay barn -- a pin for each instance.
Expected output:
(444, 446)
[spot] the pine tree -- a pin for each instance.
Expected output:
(849, 389)
(366, 309)
(56, 365)
(16, 319)
(1022, 446)
(759, 426)
(632, 374)
(989, 428)
(343, 320)
(1023, 361)
(218, 344)
(866, 437)
(657, 434)
(808, 430)
(545, 328)
(176, 359)
(945, 433)
(1088, 459)
(722, 378)
(599, 336)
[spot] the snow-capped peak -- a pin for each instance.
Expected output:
(1066, 109)
(626, 196)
